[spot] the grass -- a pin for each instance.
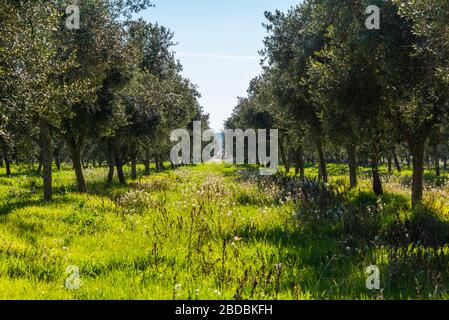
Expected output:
(221, 232)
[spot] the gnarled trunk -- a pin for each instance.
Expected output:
(119, 167)
(147, 162)
(396, 160)
(134, 167)
(322, 170)
(111, 160)
(7, 160)
(156, 160)
(377, 183)
(159, 164)
(417, 151)
(76, 145)
(47, 157)
(390, 164)
(436, 158)
(352, 164)
(299, 168)
(284, 156)
(58, 158)
(78, 167)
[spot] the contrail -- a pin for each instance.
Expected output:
(216, 56)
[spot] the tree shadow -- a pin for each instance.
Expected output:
(334, 270)
(424, 227)
(415, 265)
(318, 263)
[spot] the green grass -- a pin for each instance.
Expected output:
(211, 232)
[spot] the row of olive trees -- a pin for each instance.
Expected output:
(331, 83)
(114, 82)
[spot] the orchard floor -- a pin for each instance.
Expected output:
(219, 232)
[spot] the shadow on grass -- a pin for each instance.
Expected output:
(415, 245)
(423, 227)
(331, 270)
(317, 263)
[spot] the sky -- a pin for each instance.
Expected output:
(218, 45)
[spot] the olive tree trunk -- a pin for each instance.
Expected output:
(436, 158)
(7, 160)
(396, 160)
(57, 155)
(47, 157)
(284, 156)
(111, 160)
(377, 183)
(78, 167)
(119, 167)
(299, 167)
(322, 170)
(147, 162)
(352, 164)
(417, 151)
(134, 167)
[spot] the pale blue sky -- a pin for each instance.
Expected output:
(218, 45)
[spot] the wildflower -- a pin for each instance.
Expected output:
(237, 238)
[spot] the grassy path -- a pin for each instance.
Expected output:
(202, 232)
